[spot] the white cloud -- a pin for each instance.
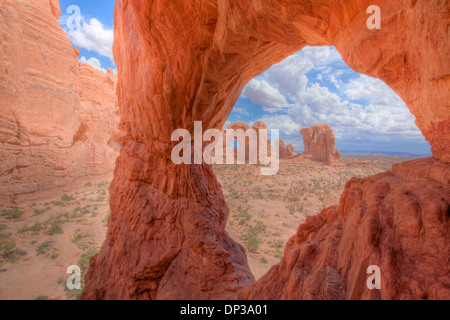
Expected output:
(93, 62)
(241, 111)
(262, 93)
(353, 105)
(91, 35)
(284, 123)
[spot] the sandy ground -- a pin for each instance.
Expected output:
(52, 230)
(265, 211)
(54, 233)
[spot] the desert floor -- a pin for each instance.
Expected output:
(41, 234)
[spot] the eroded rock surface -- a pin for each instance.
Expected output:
(389, 220)
(189, 60)
(319, 142)
(59, 117)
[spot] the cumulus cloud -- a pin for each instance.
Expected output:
(90, 34)
(262, 93)
(315, 86)
(284, 123)
(93, 62)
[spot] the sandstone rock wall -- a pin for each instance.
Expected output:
(184, 61)
(319, 142)
(389, 220)
(59, 117)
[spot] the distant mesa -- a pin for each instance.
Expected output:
(319, 141)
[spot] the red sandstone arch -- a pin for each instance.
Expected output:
(181, 61)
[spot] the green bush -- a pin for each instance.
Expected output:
(66, 198)
(14, 213)
(253, 243)
(44, 247)
(55, 228)
(39, 211)
(278, 244)
(10, 253)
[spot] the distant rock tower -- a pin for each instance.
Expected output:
(285, 151)
(319, 142)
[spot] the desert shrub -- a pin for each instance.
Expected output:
(3, 227)
(10, 253)
(245, 215)
(264, 260)
(39, 211)
(278, 244)
(66, 198)
(253, 243)
(44, 247)
(98, 199)
(55, 228)
(78, 240)
(14, 213)
(259, 227)
(54, 255)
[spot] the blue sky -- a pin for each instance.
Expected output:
(310, 87)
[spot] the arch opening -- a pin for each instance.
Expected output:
(165, 85)
(314, 86)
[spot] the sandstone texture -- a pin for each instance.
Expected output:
(183, 61)
(388, 220)
(319, 142)
(59, 117)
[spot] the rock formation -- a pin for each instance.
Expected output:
(388, 220)
(290, 149)
(319, 143)
(166, 236)
(240, 125)
(266, 148)
(59, 117)
(285, 151)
